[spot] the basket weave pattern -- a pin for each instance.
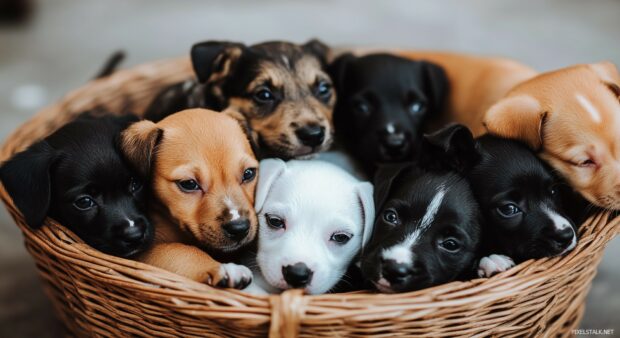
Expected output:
(99, 295)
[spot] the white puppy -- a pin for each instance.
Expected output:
(314, 218)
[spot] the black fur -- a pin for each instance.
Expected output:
(378, 90)
(78, 162)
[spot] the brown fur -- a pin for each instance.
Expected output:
(212, 149)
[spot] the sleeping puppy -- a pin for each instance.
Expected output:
(314, 220)
(202, 171)
(78, 177)
(384, 102)
(427, 229)
(519, 198)
(571, 117)
(281, 90)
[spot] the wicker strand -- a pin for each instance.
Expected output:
(287, 310)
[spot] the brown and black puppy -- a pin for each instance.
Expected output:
(281, 90)
(201, 170)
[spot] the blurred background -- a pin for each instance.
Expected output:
(49, 47)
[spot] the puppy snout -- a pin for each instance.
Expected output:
(563, 237)
(297, 275)
(311, 135)
(237, 229)
(396, 273)
(131, 230)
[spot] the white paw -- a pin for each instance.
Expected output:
(494, 264)
(234, 276)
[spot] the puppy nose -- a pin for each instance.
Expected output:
(132, 230)
(297, 275)
(564, 236)
(394, 140)
(394, 272)
(237, 229)
(311, 135)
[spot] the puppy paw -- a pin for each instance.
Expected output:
(494, 264)
(234, 276)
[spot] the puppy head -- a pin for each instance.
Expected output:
(310, 232)
(282, 89)
(572, 116)
(520, 200)
(383, 102)
(78, 177)
(202, 169)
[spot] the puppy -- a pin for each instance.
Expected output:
(282, 92)
(384, 101)
(427, 229)
(571, 117)
(314, 220)
(202, 171)
(519, 198)
(78, 176)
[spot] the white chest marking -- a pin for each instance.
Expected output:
(589, 107)
(401, 252)
(131, 223)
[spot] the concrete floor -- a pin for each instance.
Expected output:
(68, 41)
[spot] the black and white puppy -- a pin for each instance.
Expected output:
(78, 177)
(427, 229)
(519, 198)
(384, 102)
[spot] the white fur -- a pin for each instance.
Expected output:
(559, 222)
(235, 273)
(315, 199)
(131, 222)
(494, 264)
(232, 209)
(589, 107)
(401, 252)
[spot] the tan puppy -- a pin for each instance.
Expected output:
(202, 174)
(572, 116)
(476, 83)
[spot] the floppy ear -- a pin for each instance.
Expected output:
(364, 191)
(338, 68)
(383, 181)
(214, 58)
(27, 179)
(268, 172)
(436, 84)
(138, 143)
(608, 73)
(451, 148)
(247, 129)
(517, 117)
(318, 49)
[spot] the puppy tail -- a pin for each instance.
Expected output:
(111, 64)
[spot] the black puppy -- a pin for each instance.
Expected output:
(384, 102)
(519, 198)
(427, 229)
(78, 177)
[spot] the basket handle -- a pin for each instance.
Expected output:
(287, 310)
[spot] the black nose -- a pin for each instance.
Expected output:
(563, 237)
(131, 230)
(237, 229)
(394, 272)
(297, 275)
(311, 135)
(394, 140)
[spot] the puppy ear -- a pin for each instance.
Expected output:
(138, 143)
(338, 68)
(27, 179)
(268, 172)
(436, 84)
(451, 148)
(384, 178)
(364, 191)
(246, 127)
(517, 117)
(214, 59)
(608, 73)
(318, 49)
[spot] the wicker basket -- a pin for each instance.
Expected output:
(99, 295)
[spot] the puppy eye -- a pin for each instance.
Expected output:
(274, 221)
(323, 90)
(248, 175)
(508, 210)
(589, 163)
(84, 203)
(188, 185)
(390, 216)
(417, 107)
(450, 245)
(134, 185)
(264, 95)
(361, 108)
(341, 237)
